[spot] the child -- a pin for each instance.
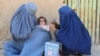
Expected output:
(42, 22)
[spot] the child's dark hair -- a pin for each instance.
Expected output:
(41, 18)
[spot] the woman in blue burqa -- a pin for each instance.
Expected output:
(72, 34)
(27, 39)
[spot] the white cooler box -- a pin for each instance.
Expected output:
(52, 48)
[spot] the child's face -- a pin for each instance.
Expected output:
(42, 21)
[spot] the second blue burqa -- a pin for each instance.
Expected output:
(73, 34)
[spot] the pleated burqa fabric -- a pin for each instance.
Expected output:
(22, 23)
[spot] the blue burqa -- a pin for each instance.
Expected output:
(73, 34)
(22, 23)
(27, 39)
